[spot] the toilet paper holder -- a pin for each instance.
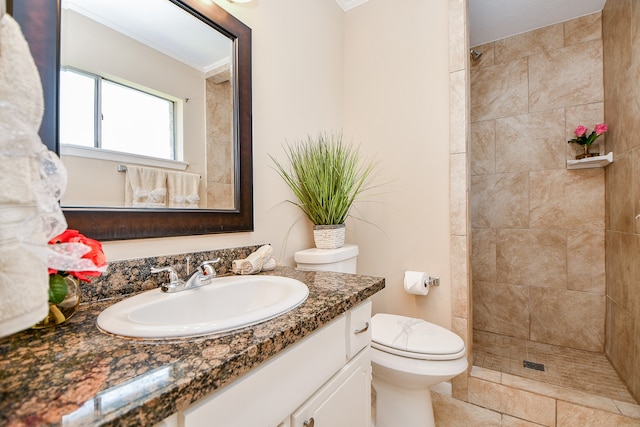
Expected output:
(419, 282)
(432, 281)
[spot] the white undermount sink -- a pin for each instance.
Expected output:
(228, 303)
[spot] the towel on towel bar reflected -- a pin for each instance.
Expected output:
(145, 187)
(183, 189)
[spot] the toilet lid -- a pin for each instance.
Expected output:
(415, 338)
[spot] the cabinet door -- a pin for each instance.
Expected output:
(345, 401)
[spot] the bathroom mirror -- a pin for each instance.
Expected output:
(40, 22)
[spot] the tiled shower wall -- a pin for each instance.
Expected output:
(538, 259)
(621, 39)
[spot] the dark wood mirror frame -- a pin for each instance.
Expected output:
(40, 23)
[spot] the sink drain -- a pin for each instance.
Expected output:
(533, 365)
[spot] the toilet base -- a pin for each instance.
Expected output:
(396, 406)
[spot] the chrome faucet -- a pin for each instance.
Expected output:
(203, 276)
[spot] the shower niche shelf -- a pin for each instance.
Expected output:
(591, 162)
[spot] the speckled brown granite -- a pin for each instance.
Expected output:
(75, 375)
(131, 276)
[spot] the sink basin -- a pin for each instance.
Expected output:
(228, 303)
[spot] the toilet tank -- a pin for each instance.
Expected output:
(341, 260)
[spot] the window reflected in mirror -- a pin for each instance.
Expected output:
(102, 114)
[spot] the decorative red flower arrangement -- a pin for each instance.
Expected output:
(72, 254)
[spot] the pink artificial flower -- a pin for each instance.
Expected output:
(600, 128)
(581, 130)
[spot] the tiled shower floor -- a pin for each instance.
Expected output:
(564, 367)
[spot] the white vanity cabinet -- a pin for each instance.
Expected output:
(344, 401)
(323, 380)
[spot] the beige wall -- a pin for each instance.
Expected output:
(386, 74)
(621, 40)
(538, 228)
(396, 95)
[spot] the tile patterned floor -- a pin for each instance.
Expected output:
(565, 367)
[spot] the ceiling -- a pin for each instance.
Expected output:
(162, 26)
(491, 20)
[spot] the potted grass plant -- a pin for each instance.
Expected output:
(327, 176)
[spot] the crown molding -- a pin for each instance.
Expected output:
(350, 4)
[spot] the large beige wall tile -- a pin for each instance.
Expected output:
(458, 193)
(587, 115)
(488, 55)
(531, 141)
(483, 147)
(220, 195)
(460, 326)
(583, 29)
(530, 43)
(614, 112)
(619, 195)
(483, 254)
(459, 277)
(568, 318)
(627, 126)
(586, 261)
(459, 383)
(532, 257)
(624, 289)
(622, 73)
(500, 308)
(458, 53)
(499, 90)
(500, 200)
(573, 83)
(567, 198)
(616, 38)
(450, 412)
(635, 388)
(632, 110)
(514, 402)
(571, 415)
(458, 112)
(613, 262)
(635, 158)
(616, 32)
(620, 340)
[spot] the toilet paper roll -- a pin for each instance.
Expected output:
(416, 282)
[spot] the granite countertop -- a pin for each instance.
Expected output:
(78, 376)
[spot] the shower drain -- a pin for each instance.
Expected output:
(533, 365)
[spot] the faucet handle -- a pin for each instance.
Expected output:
(207, 267)
(174, 280)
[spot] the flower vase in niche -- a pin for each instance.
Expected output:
(585, 140)
(72, 258)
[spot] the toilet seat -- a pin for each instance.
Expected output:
(414, 338)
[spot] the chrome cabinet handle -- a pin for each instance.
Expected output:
(309, 423)
(359, 331)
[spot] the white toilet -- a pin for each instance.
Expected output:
(408, 355)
